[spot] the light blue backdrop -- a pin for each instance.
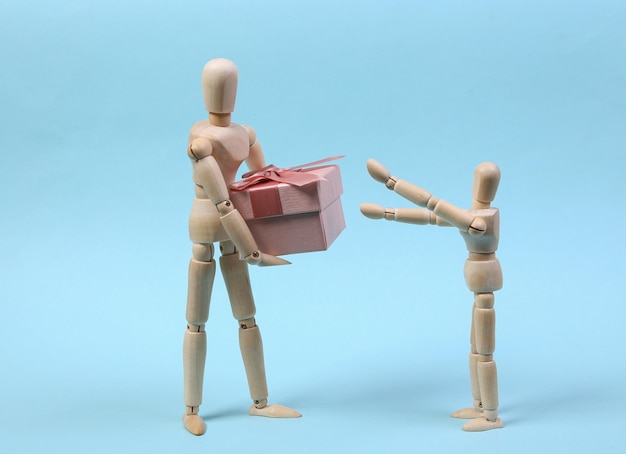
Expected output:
(368, 340)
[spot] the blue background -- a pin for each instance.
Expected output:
(368, 340)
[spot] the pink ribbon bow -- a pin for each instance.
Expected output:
(289, 175)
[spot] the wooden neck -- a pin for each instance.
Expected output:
(219, 119)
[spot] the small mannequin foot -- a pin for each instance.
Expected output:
(274, 411)
(194, 424)
(466, 413)
(481, 424)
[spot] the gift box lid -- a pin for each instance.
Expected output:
(273, 198)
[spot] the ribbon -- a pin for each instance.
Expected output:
(289, 175)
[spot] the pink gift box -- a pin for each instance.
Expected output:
(285, 218)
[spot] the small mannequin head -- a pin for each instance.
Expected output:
(486, 180)
(219, 86)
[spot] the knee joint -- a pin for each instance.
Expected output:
(195, 328)
(247, 323)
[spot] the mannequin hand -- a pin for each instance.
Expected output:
(372, 211)
(262, 259)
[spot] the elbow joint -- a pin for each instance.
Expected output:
(225, 207)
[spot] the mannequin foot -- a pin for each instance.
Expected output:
(467, 413)
(274, 411)
(480, 424)
(194, 424)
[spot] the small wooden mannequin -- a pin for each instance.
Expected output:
(479, 227)
(217, 148)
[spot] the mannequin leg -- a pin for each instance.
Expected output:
(484, 328)
(236, 277)
(201, 276)
(476, 410)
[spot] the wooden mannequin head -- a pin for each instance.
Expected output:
(219, 85)
(486, 180)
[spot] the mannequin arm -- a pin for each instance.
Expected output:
(209, 176)
(406, 215)
(256, 159)
(455, 216)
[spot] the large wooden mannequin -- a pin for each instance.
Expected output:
(217, 148)
(479, 227)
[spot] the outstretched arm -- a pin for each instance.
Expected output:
(212, 181)
(455, 216)
(406, 215)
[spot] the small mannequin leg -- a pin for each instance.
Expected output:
(237, 281)
(201, 276)
(251, 347)
(485, 375)
(475, 411)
